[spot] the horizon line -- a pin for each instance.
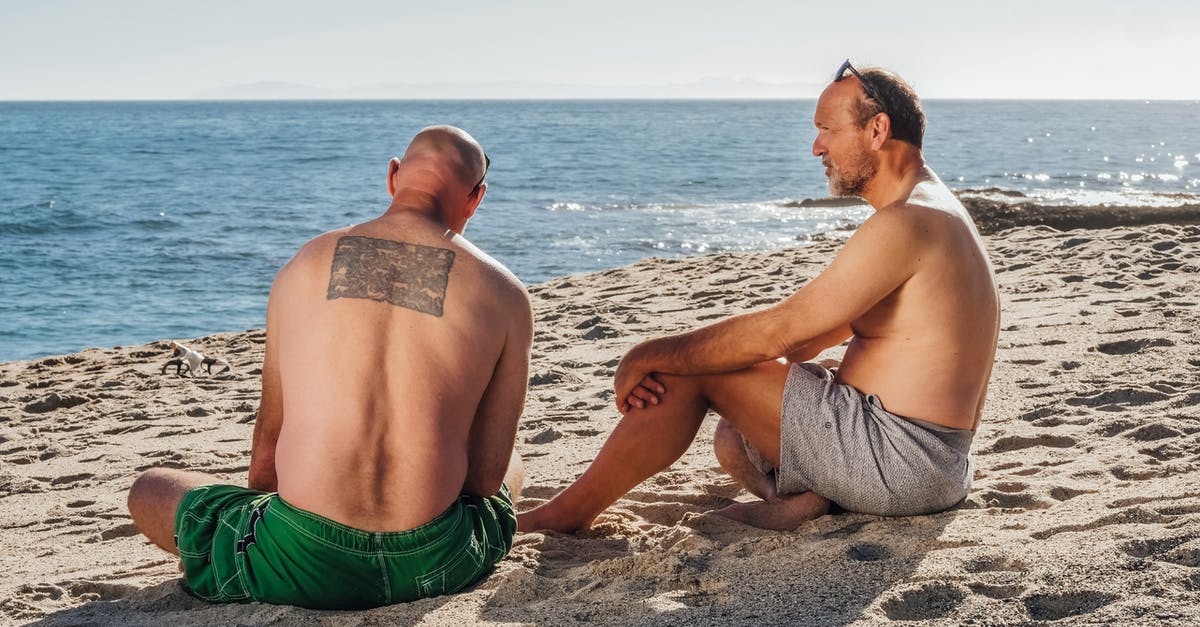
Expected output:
(581, 99)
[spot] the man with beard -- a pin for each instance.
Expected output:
(887, 432)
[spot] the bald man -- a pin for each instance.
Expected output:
(382, 466)
(888, 432)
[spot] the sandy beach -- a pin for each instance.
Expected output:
(1085, 506)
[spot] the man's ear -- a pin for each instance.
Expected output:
(881, 129)
(474, 200)
(393, 167)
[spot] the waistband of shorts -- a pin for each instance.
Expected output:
(330, 531)
(958, 439)
(933, 426)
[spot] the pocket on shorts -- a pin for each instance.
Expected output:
(215, 572)
(463, 568)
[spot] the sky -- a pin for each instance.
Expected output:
(169, 49)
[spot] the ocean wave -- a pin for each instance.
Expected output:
(43, 218)
(773, 204)
(156, 224)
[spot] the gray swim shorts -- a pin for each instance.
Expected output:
(843, 445)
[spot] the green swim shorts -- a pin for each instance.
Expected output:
(243, 545)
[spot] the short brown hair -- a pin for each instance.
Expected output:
(900, 103)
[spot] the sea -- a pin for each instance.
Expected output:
(128, 222)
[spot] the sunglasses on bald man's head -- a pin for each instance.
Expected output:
(487, 163)
(862, 80)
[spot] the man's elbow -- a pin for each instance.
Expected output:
(483, 487)
(485, 479)
(777, 339)
(262, 475)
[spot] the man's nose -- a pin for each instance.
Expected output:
(817, 148)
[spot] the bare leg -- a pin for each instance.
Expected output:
(774, 511)
(647, 441)
(154, 498)
(731, 453)
(781, 513)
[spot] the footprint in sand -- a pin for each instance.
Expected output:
(1128, 347)
(996, 591)
(994, 564)
(126, 530)
(1121, 396)
(1062, 605)
(54, 401)
(1002, 500)
(868, 552)
(1152, 432)
(1152, 548)
(545, 436)
(1039, 413)
(1063, 493)
(99, 590)
(930, 600)
(1018, 442)
(67, 479)
(1131, 515)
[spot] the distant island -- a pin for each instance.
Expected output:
(703, 89)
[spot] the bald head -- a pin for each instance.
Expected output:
(450, 149)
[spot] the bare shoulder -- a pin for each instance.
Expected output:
(932, 204)
(315, 252)
(493, 272)
(901, 224)
(502, 287)
(918, 222)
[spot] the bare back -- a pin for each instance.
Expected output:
(926, 350)
(402, 355)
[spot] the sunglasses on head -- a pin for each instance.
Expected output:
(870, 91)
(487, 163)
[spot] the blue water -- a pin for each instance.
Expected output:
(129, 222)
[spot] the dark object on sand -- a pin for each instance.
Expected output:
(188, 361)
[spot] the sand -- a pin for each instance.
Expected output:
(1085, 506)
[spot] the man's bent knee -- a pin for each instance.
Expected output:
(726, 440)
(154, 498)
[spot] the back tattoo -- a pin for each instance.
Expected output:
(406, 275)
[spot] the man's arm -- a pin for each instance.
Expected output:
(270, 413)
(494, 429)
(813, 347)
(875, 261)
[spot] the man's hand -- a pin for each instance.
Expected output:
(635, 387)
(645, 393)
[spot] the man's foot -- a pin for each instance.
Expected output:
(543, 518)
(779, 513)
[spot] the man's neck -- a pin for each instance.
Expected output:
(410, 204)
(417, 202)
(900, 169)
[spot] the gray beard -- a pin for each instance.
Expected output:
(843, 184)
